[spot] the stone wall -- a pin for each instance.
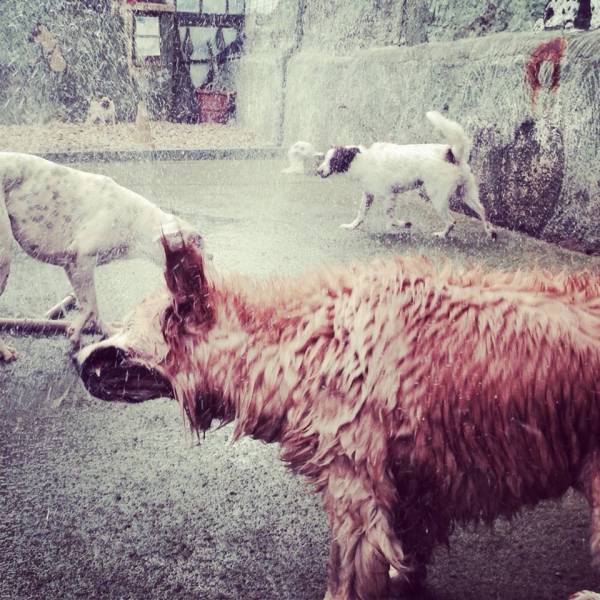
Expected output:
(56, 55)
(340, 72)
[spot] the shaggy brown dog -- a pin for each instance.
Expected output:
(412, 397)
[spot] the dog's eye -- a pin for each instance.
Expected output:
(197, 240)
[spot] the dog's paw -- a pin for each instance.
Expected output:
(8, 354)
(398, 225)
(409, 583)
(445, 232)
(350, 226)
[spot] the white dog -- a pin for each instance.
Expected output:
(102, 112)
(386, 170)
(77, 220)
(303, 158)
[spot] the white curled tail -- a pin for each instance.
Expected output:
(459, 142)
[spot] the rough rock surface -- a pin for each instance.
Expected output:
(357, 73)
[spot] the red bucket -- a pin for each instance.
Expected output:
(215, 107)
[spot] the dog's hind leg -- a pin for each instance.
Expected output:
(440, 196)
(471, 199)
(364, 544)
(363, 209)
(7, 353)
(390, 210)
(589, 484)
(448, 219)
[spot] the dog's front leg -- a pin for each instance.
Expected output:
(363, 541)
(81, 276)
(589, 483)
(363, 209)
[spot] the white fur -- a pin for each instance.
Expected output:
(303, 158)
(102, 112)
(385, 170)
(77, 220)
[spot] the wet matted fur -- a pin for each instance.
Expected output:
(413, 397)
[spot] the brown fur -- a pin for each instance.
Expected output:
(412, 397)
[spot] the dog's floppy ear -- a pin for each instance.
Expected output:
(191, 309)
(342, 158)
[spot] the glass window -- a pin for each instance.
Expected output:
(147, 36)
(192, 6)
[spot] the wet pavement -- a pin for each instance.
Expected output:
(103, 500)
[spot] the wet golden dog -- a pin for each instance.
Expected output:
(412, 397)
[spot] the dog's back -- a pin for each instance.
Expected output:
(504, 411)
(54, 208)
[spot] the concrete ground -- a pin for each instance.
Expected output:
(102, 500)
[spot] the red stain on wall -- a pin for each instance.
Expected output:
(552, 52)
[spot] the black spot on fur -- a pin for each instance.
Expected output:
(37, 218)
(549, 13)
(105, 103)
(449, 157)
(342, 159)
(584, 15)
(12, 184)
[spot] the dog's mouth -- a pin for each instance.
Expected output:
(110, 373)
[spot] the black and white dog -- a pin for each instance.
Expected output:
(385, 170)
(77, 220)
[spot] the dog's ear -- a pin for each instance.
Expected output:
(191, 310)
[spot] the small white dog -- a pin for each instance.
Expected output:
(303, 158)
(102, 112)
(77, 220)
(386, 170)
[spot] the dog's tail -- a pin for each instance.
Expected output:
(459, 141)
